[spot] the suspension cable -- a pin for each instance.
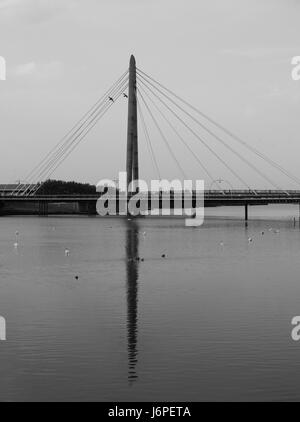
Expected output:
(64, 141)
(74, 145)
(238, 139)
(163, 137)
(50, 163)
(232, 150)
(178, 134)
(149, 144)
(200, 139)
(63, 150)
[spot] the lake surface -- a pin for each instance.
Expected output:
(211, 321)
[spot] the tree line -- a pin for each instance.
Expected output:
(59, 187)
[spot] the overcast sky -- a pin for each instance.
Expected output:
(230, 58)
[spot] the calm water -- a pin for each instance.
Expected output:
(212, 321)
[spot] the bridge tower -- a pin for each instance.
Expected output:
(132, 164)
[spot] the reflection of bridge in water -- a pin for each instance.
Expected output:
(145, 94)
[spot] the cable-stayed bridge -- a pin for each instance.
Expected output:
(153, 105)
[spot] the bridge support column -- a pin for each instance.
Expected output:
(246, 213)
(132, 164)
(43, 208)
(1, 208)
(92, 208)
(87, 207)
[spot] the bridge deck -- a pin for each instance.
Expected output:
(213, 198)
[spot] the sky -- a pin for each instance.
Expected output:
(229, 58)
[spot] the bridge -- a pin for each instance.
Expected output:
(143, 92)
(212, 198)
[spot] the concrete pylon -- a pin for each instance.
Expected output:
(132, 165)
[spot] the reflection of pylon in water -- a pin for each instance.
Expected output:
(132, 255)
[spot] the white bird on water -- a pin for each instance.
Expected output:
(67, 252)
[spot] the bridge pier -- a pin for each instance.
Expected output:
(43, 208)
(1, 208)
(246, 213)
(92, 208)
(87, 207)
